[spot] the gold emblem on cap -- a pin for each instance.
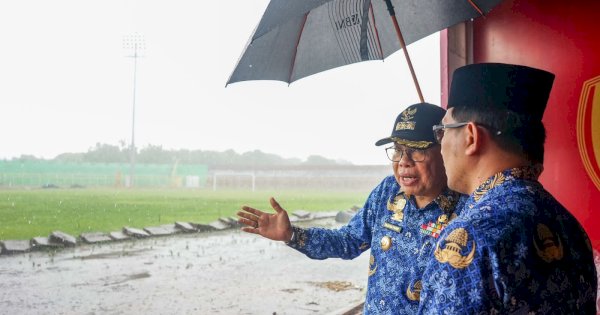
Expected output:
(409, 114)
(549, 250)
(386, 243)
(455, 241)
(412, 144)
(406, 123)
(372, 266)
(416, 294)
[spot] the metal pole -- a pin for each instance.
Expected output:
(135, 42)
(390, 8)
(132, 157)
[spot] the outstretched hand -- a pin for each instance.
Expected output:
(275, 226)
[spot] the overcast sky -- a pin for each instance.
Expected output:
(66, 83)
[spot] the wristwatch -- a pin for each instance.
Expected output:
(294, 236)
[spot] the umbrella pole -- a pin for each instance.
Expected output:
(390, 8)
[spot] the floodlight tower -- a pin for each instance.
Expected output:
(133, 43)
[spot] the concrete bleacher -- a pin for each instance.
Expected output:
(58, 239)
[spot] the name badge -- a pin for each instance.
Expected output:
(392, 227)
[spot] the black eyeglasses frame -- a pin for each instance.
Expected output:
(438, 130)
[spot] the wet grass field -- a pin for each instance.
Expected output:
(37, 212)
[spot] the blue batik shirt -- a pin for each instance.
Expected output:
(400, 237)
(513, 250)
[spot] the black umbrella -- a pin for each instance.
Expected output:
(298, 38)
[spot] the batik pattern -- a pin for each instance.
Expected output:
(513, 249)
(390, 225)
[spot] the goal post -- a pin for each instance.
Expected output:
(250, 175)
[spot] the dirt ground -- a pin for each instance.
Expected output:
(226, 272)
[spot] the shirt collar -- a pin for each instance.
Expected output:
(446, 201)
(530, 172)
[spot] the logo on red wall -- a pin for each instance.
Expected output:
(588, 128)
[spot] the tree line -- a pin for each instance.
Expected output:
(156, 154)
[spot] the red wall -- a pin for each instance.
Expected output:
(562, 37)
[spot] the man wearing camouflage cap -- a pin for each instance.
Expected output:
(399, 222)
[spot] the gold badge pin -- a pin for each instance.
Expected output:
(392, 227)
(386, 243)
(398, 216)
(401, 203)
(397, 206)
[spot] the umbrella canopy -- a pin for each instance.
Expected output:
(295, 39)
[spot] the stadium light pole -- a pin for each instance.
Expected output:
(133, 43)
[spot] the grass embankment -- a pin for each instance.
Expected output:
(29, 213)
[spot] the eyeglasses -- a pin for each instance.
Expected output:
(395, 154)
(438, 130)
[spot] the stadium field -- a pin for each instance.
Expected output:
(37, 212)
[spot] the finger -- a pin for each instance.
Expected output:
(250, 230)
(252, 210)
(247, 222)
(276, 205)
(246, 215)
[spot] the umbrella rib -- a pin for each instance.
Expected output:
(376, 31)
(296, 50)
(332, 11)
(476, 7)
(354, 33)
(373, 50)
(338, 11)
(345, 46)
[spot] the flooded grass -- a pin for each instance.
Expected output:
(37, 212)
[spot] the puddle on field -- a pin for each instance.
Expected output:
(227, 272)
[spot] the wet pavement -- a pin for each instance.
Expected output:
(227, 272)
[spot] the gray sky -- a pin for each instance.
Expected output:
(65, 83)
